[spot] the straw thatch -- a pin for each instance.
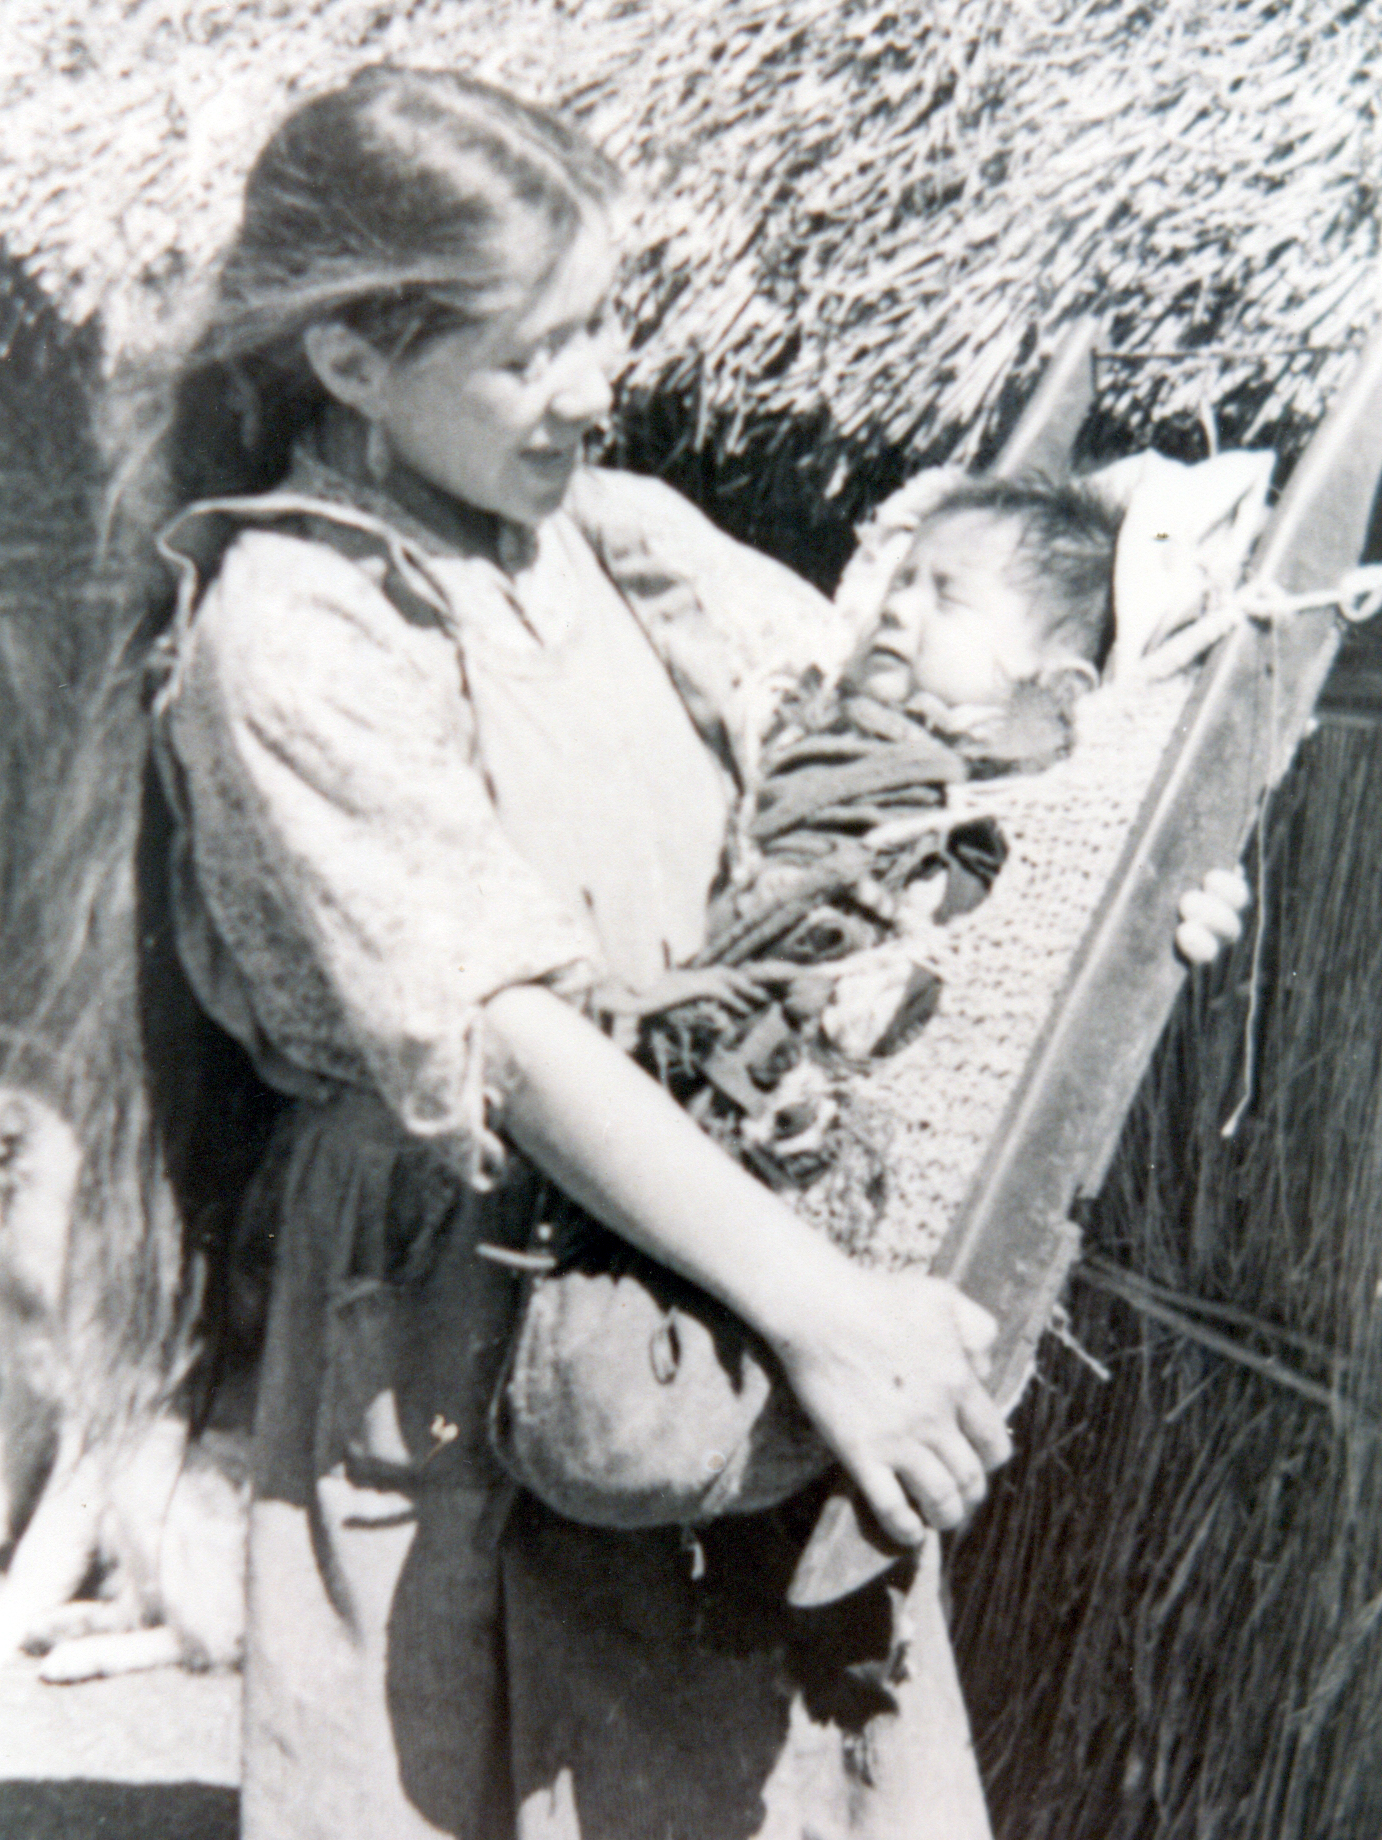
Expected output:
(865, 228)
(1171, 1616)
(865, 224)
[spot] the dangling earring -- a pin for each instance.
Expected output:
(244, 401)
(378, 459)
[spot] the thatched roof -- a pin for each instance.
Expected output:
(866, 218)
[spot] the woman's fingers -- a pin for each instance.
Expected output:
(1201, 908)
(885, 1364)
(1211, 915)
(886, 1497)
(977, 1332)
(1197, 943)
(1230, 886)
(944, 1499)
(984, 1426)
(943, 1466)
(979, 1418)
(939, 1483)
(945, 1480)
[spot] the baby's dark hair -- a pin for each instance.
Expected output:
(1065, 551)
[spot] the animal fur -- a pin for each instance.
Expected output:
(157, 1519)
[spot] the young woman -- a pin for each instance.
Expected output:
(453, 728)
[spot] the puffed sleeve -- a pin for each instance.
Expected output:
(341, 837)
(666, 556)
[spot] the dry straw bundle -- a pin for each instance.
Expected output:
(862, 226)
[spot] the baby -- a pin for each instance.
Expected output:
(996, 616)
(999, 613)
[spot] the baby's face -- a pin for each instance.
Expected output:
(956, 621)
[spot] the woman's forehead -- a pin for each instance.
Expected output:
(547, 295)
(573, 288)
(534, 293)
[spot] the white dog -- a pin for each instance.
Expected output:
(159, 1523)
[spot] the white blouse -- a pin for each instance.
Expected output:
(347, 895)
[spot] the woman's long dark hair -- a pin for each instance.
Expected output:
(405, 201)
(400, 203)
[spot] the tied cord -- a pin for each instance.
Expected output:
(1356, 597)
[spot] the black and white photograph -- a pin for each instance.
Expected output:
(691, 920)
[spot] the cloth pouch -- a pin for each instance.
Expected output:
(630, 1399)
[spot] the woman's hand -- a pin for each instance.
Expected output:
(887, 1364)
(1211, 915)
(889, 1367)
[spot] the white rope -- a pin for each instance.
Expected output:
(1356, 596)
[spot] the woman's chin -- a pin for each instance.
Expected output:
(545, 480)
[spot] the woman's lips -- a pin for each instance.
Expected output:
(550, 459)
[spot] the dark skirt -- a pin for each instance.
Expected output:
(431, 1651)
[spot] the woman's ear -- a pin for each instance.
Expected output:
(347, 365)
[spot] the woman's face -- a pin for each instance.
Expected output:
(494, 415)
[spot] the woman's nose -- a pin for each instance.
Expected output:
(582, 391)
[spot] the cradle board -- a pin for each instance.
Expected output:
(1012, 1244)
(1044, 439)
(1011, 1241)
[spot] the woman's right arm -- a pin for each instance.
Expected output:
(885, 1364)
(343, 843)
(349, 857)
